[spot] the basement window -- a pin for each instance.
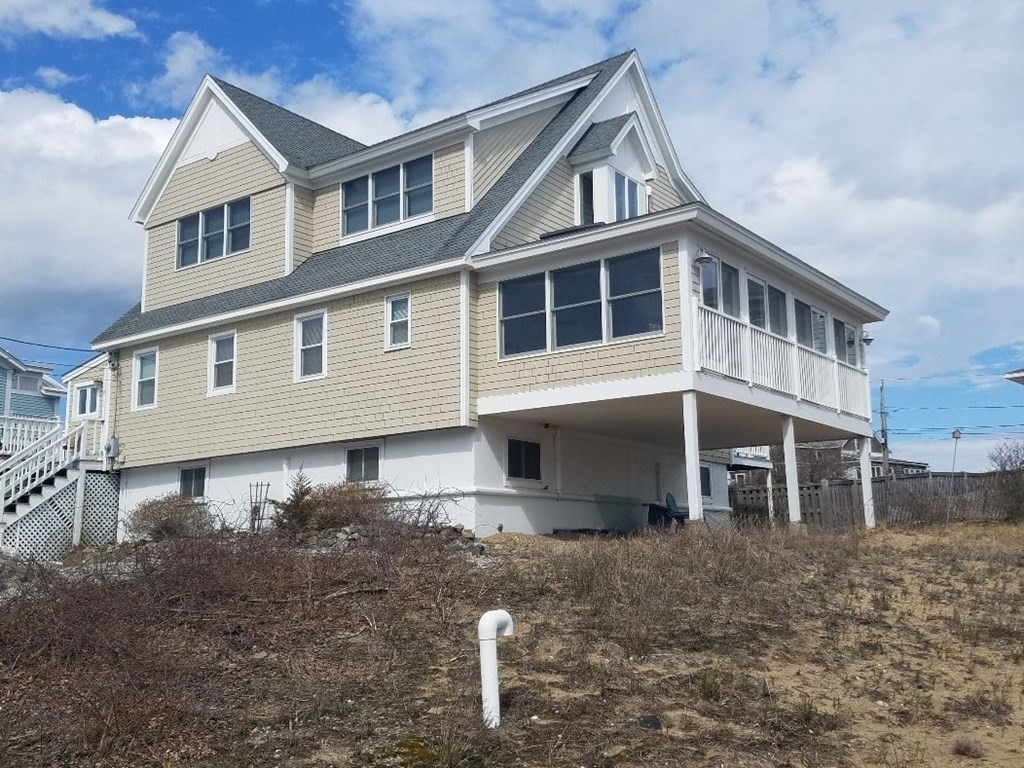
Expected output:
(523, 460)
(192, 482)
(362, 464)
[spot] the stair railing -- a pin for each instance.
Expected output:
(49, 456)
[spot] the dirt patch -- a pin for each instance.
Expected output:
(701, 647)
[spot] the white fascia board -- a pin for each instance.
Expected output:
(668, 150)
(161, 175)
(867, 311)
(12, 360)
(569, 138)
(511, 109)
(451, 131)
(291, 302)
(76, 372)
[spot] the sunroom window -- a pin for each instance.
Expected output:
(766, 306)
(634, 294)
(845, 341)
(388, 196)
(720, 287)
(523, 315)
(810, 327)
(576, 304)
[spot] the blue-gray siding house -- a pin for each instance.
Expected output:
(27, 390)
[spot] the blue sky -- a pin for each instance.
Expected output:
(879, 141)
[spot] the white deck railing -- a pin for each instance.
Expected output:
(733, 348)
(47, 457)
(19, 432)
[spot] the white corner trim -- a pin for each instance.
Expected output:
(145, 264)
(469, 172)
(464, 326)
(289, 227)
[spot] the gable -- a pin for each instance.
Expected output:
(217, 130)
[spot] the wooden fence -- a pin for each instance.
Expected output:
(900, 500)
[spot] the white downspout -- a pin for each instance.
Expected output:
(493, 624)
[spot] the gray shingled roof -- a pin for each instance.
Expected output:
(600, 136)
(437, 241)
(302, 142)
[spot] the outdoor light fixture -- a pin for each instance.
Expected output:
(865, 339)
(703, 260)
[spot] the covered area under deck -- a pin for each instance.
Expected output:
(693, 420)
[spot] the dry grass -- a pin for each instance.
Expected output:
(701, 647)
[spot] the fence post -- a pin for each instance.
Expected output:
(825, 498)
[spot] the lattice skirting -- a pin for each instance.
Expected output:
(45, 532)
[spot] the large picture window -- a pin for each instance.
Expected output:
(213, 233)
(580, 313)
(388, 195)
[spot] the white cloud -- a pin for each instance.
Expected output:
(74, 19)
(52, 77)
(68, 181)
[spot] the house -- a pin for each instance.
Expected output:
(527, 307)
(29, 398)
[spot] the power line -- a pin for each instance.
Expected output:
(950, 408)
(46, 346)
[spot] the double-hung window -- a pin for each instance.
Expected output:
(221, 374)
(213, 233)
(766, 306)
(576, 304)
(523, 315)
(720, 286)
(87, 401)
(627, 198)
(362, 464)
(144, 373)
(810, 327)
(523, 460)
(192, 482)
(309, 346)
(398, 311)
(593, 302)
(388, 195)
(845, 337)
(634, 294)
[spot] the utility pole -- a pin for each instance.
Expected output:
(885, 430)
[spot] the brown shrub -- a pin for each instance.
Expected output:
(339, 504)
(169, 516)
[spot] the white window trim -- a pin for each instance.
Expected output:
(711, 481)
(856, 364)
(15, 387)
(88, 415)
(177, 234)
(641, 195)
(388, 345)
(297, 344)
(211, 390)
(155, 351)
(768, 286)
(363, 445)
(522, 482)
(403, 221)
(203, 465)
(606, 338)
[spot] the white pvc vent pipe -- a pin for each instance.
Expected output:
(493, 624)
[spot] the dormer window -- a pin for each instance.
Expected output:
(388, 196)
(627, 197)
(213, 233)
(586, 192)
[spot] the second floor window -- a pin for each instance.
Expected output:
(720, 287)
(213, 233)
(810, 327)
(388, 196)
(846, 341)
(398, 321)
(309, 341)
(222, 363)
(766, 306)
(26, 383)
(627, 198)
(145, 379)
(87, 401)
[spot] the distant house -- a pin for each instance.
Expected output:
(29, 398)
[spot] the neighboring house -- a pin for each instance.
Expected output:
(1017, 376)
(527, 307)
(29, 398)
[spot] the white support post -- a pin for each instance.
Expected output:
(691, 456)
(865, 482)
(76, 529)
(792, 476)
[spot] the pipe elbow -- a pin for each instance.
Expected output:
(494, 624)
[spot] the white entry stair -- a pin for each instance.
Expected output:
(36, 473)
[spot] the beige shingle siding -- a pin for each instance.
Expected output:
(326, 218)
(551, 207)
(450, 181)
(303, 224)
(367, 392)
(234, 173)
(166, 285)
(495, 149)
(618, 360)
(663, 194)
